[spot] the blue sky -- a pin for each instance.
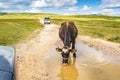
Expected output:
(66, 7)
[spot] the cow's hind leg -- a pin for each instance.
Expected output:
(73, 47)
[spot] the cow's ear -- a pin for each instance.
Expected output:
(62, 24)
(73, 50)
(58, 49)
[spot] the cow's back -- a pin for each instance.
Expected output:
(69, 30)
(73, 30)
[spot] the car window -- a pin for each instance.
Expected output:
(46, 18)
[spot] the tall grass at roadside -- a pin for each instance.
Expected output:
(15, 30)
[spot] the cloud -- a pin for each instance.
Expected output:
(85, 7)
(53, 3)
(62, 3)
(94, 13)
(74, 8)
(110, 3)
(110, 12)
(66, 14)
(19, 6)
(14, 4)
(4, 5)
(39, 3)
(107, 7)
(33, 10)
(110, 7)
(35, 5)
(72, 13)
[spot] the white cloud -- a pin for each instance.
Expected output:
(85, 7)
(14, 4)
(53, 3)
(110, 12)
(35, 5)
(61, 3)
(20, 6)
(74, 8)
(107, 10)
(110, 3)
(41, 3)
(66, 14)
(33, 10)
(69, 13)
(94, 13)
(4, 5)
(110, 7)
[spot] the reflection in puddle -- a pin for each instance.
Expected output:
(89, 65)
(69, 72)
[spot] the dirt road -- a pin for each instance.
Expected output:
(30, 60)
(36, 57)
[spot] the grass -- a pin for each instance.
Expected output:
(107, 28)
(15, 30)
(22, 24)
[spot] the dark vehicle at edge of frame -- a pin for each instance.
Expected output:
(7, 63)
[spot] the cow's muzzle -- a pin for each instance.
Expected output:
(65, 61)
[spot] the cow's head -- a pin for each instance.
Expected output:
(65, 52)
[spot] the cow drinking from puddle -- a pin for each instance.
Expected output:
(67, 33)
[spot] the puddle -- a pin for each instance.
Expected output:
(89, 65)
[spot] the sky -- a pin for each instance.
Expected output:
(65, 7)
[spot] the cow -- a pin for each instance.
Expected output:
(67, 33)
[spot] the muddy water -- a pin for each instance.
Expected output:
(89, 65)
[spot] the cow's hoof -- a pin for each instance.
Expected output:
(74, 55)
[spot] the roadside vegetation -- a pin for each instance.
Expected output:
(15, 30)
(17, 26)
(104, 27)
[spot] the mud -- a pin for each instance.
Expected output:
(90, 64)
(30, 61)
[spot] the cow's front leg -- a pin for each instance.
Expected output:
(73, 47)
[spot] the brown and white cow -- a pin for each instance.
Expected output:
(67, 33)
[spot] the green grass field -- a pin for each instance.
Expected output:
(104, 27)
(16, 26)
(15, 30)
